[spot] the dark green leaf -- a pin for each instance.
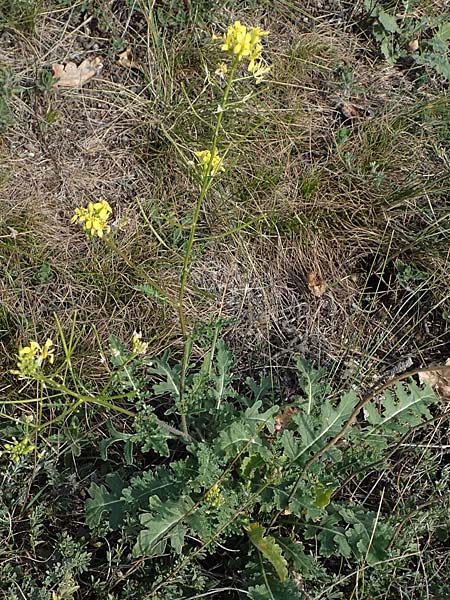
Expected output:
(101, 501)
(159, 526)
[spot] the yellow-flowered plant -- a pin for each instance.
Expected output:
(214, 496)
(31, 358)
(139, 347)
(18, 449)
(94, 218)
(204, 158)
(245, 42)
(222, 70)
(259, 69)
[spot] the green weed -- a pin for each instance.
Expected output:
(404, 31)
(159, 465)
(19, 14)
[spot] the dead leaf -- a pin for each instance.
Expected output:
(282, 420)
(316, 284)
(71, 76)
(353, 111)
(413, 45)
(126, 59)
(439, 381)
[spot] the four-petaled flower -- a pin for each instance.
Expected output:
(139, 347)
(245, 42)
(258, 69)
(18, 449)
(31, 357)
(94, 218)
(214, 496)
(222, 70)
(205, 159)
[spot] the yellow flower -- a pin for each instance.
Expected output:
(139, 347)
(31, 358)
(214, 496)
(18, 449)
(94, 218)
(205, 158)
(221, 70)
(48, 352)
(258, 69)
(243, 42)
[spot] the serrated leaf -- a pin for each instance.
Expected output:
(405, 406)
(151, 292)
(209, 467)
(443, 32)
(151, 434)
(312, 384)
(348, 531)
(170, 375)
(330, 536)
(272, 589)
(223, 377)
(372, 414)
(255, 419)
(290, 445)
(177, 538)
(371, 6)
(269, 548)
(261, 389)
(388, 51)
(334, 418)
(305, 564)
(234, 438)
(157, 527)
(152, 549)
(101, 501)
(367, 535)
(250, 464)
(437, 60)
(117, 436)
(388, 21)
(316, 432)
(305, 427)
(143, 487)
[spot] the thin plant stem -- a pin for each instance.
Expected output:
(206, 182)
(81, 400)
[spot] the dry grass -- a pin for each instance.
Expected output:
(311, 190)
(338, 166)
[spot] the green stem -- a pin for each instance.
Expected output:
(48, 381)
(206, 182)
(80, 400)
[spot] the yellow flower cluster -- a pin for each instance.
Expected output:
(139, 347)
(214, 497)
(18, 449)
(31, 357)
(94, 218)
(204, 158)
(242, 42)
